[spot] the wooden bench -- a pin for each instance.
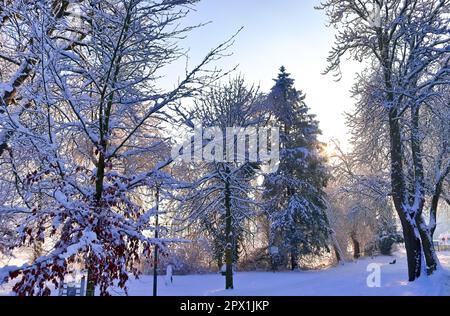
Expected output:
(73, 288)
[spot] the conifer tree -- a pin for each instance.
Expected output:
(295, 192)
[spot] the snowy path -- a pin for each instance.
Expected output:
(349, 279)
(445, 262)
(446, 287)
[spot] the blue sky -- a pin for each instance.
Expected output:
(277, 32)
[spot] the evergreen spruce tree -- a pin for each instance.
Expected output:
(295, 192)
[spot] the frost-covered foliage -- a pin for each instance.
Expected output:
(359, 195)
(406, 45)
(294, 195)
(223, 196)
(193, 257)
(80, 127)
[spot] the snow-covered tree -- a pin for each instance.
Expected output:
(222, 200)
(295, 194)
(84, 141)
(21, 30)
(406, 47)
(360, 191)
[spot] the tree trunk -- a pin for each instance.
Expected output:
(337, 254)
(91, 279)
(90, 287)
(413, 247)
(429, 252)
(410, 234)
(356, 246)
(433, 213)
(337, 249)
(219, 263)
(421, 239)
(229, 242)
(294, 259)
(399, 190)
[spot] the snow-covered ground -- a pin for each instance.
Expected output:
(349, 279)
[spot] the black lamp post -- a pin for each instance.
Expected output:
(155, 258)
